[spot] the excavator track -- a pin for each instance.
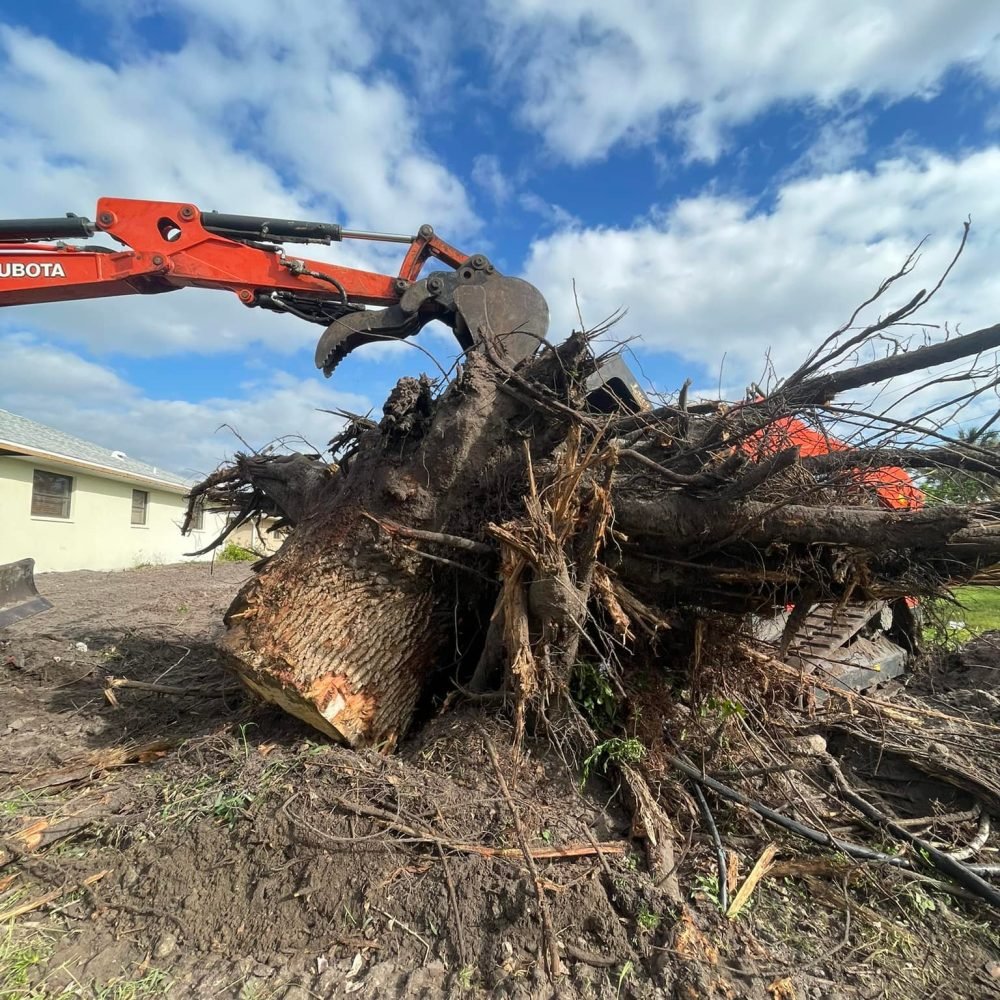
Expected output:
(829, 645)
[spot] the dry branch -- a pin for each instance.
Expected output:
(553, 961)
(823, 388)
(547, 853)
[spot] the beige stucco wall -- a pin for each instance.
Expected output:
(258, 539)
(99, 534)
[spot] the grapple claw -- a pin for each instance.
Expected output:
(367, 326)
(475, 301)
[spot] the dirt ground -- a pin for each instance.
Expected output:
(217, 848)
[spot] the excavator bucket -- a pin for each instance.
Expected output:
(19, 597)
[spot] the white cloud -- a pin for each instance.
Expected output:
(552, 214)
(57, 387)
(836, 146)
(595, 74)
(486, 172)
(717, 275)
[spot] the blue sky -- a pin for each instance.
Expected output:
(737, 176)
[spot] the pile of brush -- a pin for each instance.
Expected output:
(491, 534)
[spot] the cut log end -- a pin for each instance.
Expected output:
(347, 651)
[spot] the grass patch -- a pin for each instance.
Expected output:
(153, 983)
(18, 803)
(977, 611)
(21, 956)
(205, 797)
(17, 959)
(980, 607)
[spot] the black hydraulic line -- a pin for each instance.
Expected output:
(329, 279)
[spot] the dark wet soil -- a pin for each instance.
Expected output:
(241, 855)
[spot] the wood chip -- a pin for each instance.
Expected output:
(39, 901)
(759, 870)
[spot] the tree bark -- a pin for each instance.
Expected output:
(679, 523)
(345, 625)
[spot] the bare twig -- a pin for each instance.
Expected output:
(409, 930)
(551, 943)
(453, 900)
(568, 852)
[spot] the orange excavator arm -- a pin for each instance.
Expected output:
(171, 245)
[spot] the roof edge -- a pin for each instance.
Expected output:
(133, 477)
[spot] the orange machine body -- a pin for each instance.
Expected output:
(893, 486)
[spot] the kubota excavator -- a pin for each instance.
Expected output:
(173, 245)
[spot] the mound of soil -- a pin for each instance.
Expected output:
(240, 855)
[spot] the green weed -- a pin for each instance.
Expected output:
(646, 919)
(624, 974)
(593, 693)
(921, 901)
(708, 886)
(613, 751)
(722, 709)
(231, 807)
(233, 553)
(244, 726)
(630, 862)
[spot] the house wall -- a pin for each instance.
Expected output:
(99, 534)
(258, 539)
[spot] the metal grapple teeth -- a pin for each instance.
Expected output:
(475, 301)
(353, 330)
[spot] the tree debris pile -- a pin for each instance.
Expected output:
(493, 529)
(603, 574)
